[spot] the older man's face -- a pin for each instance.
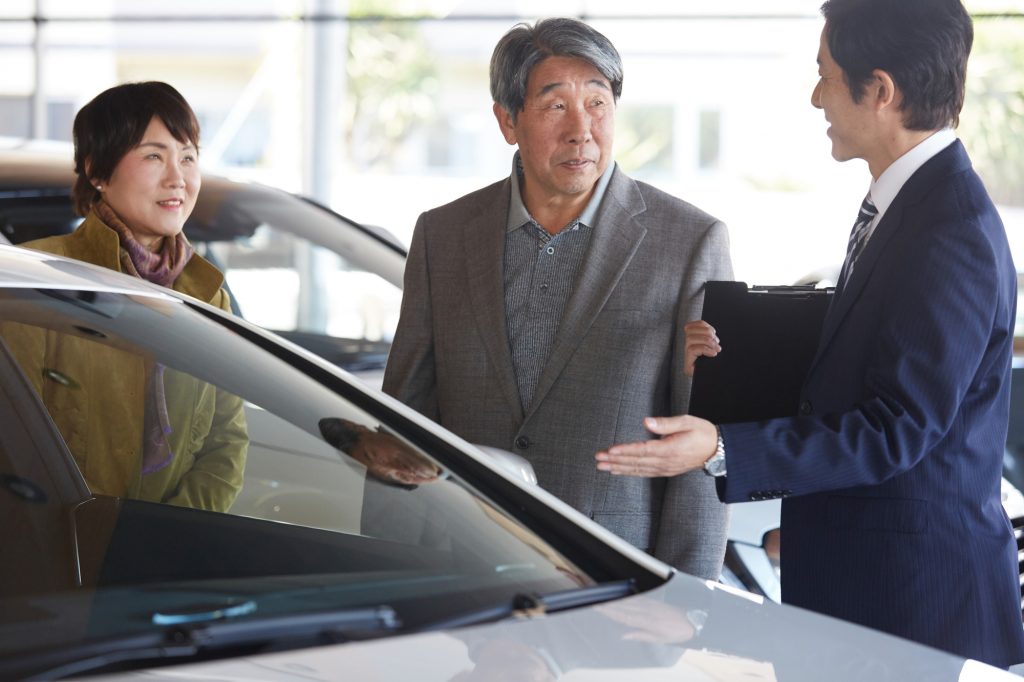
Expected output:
(564, 132)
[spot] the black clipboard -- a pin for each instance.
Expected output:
(769, 336)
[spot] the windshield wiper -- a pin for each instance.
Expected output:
(524, 605)
(187, 640)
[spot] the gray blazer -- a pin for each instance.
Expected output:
(617, 356)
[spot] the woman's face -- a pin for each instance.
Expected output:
(154, 186)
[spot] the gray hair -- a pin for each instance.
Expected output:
(523, 47)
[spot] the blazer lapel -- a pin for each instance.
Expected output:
(850, 290)
(617, 235)
(951, 159)
(483, 252)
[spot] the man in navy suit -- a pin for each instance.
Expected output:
(891, 472)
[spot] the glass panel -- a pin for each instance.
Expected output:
(270, 272)
(216, 468)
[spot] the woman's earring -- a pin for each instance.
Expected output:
(99, 188)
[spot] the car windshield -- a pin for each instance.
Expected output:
(160, 468)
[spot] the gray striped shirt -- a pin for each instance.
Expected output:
(539, 275)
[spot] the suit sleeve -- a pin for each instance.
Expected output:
(693, 525)
(410, 375)
(938, 326)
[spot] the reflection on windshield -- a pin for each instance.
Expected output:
(385, 457)
(135, 427)
(216, 473)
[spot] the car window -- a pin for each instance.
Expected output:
(201, 468)
(287, 283)
(34, 213)
(311, 275)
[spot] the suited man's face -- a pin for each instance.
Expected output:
(851, 126)
(564, 131)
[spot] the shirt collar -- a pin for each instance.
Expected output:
(519, 216)
(891, 181)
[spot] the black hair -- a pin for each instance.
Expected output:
(922, 44)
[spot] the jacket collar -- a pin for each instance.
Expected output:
(94, 242)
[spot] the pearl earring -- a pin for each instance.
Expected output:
(99, 188)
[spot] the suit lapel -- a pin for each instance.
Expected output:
(616, 237)
(848, 293)
(483, 252)
(949, 160)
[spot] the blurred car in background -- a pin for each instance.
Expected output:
(467, 574)
(328, 283)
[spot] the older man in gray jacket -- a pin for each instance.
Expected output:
(544, 314)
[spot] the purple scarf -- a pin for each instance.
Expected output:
(160, 268)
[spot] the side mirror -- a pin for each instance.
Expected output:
(512, 463)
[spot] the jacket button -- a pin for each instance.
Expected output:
(806, 407)
(522, 442)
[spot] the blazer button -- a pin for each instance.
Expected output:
(806, 407)
(522, 442)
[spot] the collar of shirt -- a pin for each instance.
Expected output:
(519, 216)
(891, 181)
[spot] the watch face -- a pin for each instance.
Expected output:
(715, 466)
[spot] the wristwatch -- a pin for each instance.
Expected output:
(715, 465)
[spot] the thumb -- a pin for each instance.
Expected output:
(666, 425)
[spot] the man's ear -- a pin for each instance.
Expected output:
(883, 90)
(505, 122)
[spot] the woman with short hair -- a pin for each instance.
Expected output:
(136, 428)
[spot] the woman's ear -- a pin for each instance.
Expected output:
(88, 173)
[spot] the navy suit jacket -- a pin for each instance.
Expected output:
(892, 470)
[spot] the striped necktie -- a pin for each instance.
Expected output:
(859, 235)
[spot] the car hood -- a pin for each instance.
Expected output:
(687, 629)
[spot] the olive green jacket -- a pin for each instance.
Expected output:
(98, 401)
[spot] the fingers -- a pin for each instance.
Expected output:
(388, 458)
(645, 459)
(666, 425)
(700, 340)
(685, 444)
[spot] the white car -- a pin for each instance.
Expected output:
(467, 573)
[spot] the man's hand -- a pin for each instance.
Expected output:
(700, 340)
(385, 457)
(389, 459)
(686, 443)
